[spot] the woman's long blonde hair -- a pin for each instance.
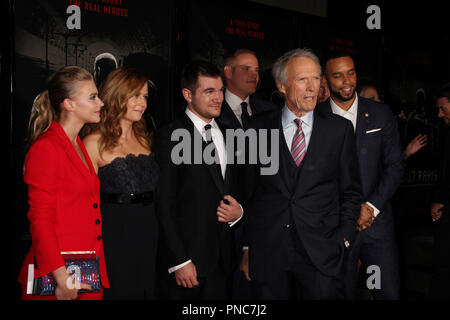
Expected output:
(46, 107)
(119, 86)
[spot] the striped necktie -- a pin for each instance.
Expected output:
(298, 147)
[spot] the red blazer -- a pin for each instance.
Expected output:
(64, 199)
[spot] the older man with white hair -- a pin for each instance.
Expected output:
(301, 219)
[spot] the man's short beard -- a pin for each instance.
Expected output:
(338, 95)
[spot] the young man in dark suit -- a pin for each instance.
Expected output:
(301, 220)
(381, 165)
(196, 201)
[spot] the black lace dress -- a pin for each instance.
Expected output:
(130, 229)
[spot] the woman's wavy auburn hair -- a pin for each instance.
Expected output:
(119, 86)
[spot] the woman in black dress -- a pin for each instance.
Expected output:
(120, 149)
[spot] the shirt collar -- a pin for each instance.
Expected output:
(353, 110)
(234, 101)
(288, 117)
(198, 122)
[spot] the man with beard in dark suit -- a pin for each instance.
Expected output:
(301, 220)
(196, 200)
(381, 166)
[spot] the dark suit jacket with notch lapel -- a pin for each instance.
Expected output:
(380, 158)
(187, 199)
(324, 203)
(228, 119)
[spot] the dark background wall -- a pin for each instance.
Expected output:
(408, 53)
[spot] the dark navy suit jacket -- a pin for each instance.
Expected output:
(323, 203)
(380, 158)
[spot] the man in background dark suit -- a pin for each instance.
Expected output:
(380, 159)
(196, 201)
(440, 209)
(241, 73)
(300, 220)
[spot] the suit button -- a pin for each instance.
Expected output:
(97, 222)
(99, 238)
(95, 205)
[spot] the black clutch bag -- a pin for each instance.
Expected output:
(82, 265)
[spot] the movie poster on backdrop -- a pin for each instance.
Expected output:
(222, 27)
(98, 35)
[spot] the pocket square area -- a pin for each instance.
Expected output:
(373, 130)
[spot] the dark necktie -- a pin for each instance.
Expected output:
(298, 147)
(244, 116)
(208, 135)
(209, 140)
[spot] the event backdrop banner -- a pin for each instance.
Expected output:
(217, 28)
(98, 35)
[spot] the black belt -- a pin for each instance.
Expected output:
(127, 198)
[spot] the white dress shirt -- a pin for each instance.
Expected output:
(216, 135)
(352, 115)
(235, 104)
(290, 127)
(219, 143)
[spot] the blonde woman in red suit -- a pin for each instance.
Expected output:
(63, 188)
